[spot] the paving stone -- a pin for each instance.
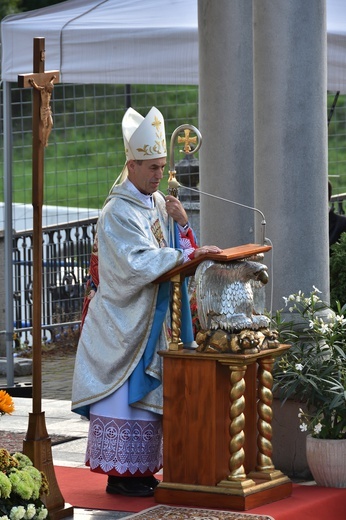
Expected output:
(21, 366)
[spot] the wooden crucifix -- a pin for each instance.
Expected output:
(37, 444)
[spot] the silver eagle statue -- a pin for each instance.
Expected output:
(225, 294)
(229, 307)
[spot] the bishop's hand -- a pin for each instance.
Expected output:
(204, 250)
(176, 210)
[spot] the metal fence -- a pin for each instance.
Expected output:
(84, 156)
(86, 152)
(337, 142)
(66, 254)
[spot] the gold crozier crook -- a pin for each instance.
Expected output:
(173, 184)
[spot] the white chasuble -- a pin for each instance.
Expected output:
(131, 240)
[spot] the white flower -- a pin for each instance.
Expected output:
(42, 513)
(17, 513)
(5, 517)
(316, 290)
(299, 367)
(318, 428)
(303, 427)
(30, 511)
(324, 328)
(291, 309)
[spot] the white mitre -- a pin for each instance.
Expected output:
(144, 137)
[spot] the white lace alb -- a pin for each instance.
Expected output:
(124, 445)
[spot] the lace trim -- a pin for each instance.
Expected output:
(124, 445)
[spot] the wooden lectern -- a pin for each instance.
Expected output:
(217, 418)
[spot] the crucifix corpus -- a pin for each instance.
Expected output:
(37, 444)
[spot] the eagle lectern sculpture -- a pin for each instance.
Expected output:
(228, 310)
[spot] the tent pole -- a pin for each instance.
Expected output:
(7, 129)
(128, 95)
(333, 106)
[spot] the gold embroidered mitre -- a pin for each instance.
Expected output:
(144, 137)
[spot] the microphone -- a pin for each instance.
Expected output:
(263, 222)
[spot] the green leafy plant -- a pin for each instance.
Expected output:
(313, 371)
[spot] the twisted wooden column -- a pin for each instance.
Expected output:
(237, 424)
(265, 414)
(237, 477)
(176, 343)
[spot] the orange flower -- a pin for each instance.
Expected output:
(6, 403)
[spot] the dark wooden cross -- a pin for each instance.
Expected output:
(42, 82)
(37, 444)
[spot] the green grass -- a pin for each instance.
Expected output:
(85, 152)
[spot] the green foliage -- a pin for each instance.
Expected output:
(17, 6)
(30, 5)
(313, 371)
(9, 7)
(86, 151)
(338, 272)
(336, 144)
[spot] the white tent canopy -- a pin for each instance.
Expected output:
(107, 41)
(131, 41)
(336, 45)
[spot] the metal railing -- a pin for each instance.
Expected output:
(66, 255)
(338, 203)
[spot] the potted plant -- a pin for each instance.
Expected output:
(21, 484)
(313, 372)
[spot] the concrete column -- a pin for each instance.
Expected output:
(290, 121)
(226, 120)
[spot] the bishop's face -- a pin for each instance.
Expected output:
(146, 175)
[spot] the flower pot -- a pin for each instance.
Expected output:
(289, 443)
(326, 459)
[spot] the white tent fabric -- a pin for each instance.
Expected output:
(336, 45)
(131, 41)
(107, 41)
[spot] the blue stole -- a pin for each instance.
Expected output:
(141, 383)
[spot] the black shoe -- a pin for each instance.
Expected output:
(150, 481)
(129, 487)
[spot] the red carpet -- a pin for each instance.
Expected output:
(82, 488)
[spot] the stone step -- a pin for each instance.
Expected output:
(21, 366)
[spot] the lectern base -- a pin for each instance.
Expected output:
(64, 512)
(223, 496)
